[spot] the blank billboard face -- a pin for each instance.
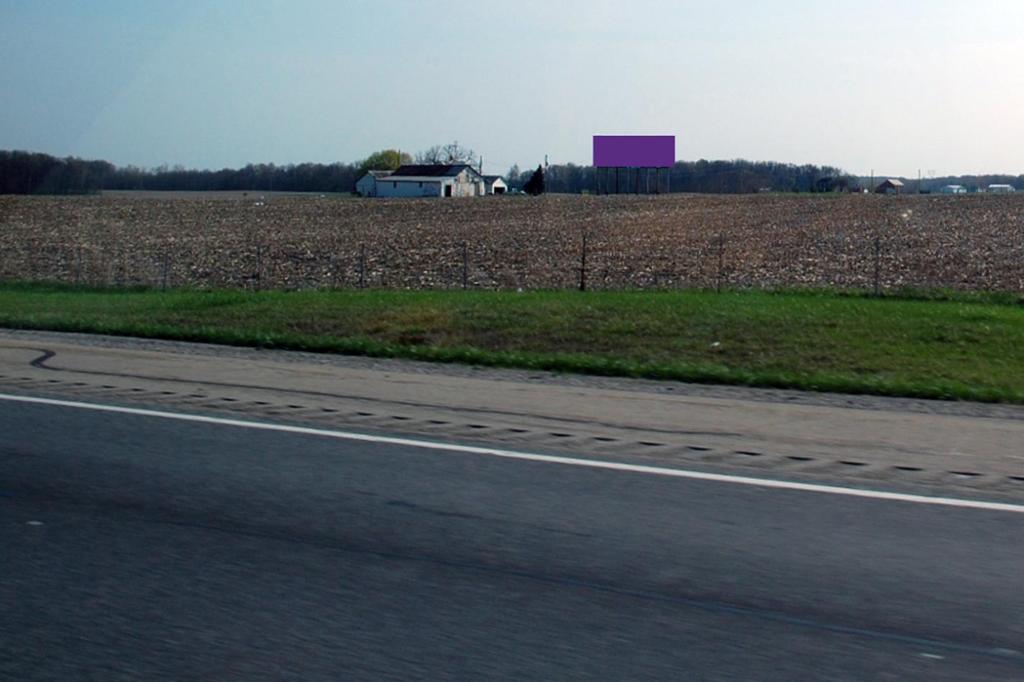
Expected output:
(634, 151)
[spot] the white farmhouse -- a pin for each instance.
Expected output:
(954, 189)
(366, 186)
(458, 180)
(495, 184)
(1001, 189)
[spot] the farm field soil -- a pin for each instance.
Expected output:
(674, 241)
(968, 347)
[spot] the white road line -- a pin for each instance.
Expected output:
(532, 457)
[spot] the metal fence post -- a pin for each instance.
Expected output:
(362, 266)
(465, 265)
(721, 260)
(165, 274)
(119, 269)
(259, 267)
(583, 264)
(878, 265)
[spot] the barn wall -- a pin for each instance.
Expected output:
(410, 188)
(467, 185)
(366, 186)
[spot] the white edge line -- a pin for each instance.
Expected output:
(533, 457)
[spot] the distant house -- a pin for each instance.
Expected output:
(438, 180)
(494, 184)
(890, 186)
(366, 186)
(954, 189)
(1001, 189)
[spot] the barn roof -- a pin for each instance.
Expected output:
(432, 170)
(377, 174)
(894, 182)
(491, 179)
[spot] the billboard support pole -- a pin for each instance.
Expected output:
(638, 155)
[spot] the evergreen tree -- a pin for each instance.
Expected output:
(535, 185)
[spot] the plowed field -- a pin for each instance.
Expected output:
(765, 241)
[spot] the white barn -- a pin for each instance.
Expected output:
(954, 189)
(1001, 189)
(495, 184)
(366, 186)
(458, 180)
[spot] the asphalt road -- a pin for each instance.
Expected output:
(137, 547)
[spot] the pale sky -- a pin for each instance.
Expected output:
(893, 86)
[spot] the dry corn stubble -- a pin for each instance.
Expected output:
(767, 241)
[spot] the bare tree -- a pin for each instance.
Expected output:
(512, 178)
(448, 154)
(430, 156)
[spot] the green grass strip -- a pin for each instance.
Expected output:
(926, 344)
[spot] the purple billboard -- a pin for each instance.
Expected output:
(634, 151)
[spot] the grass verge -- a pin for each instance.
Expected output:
(939, 345)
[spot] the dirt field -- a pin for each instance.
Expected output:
(294, 241)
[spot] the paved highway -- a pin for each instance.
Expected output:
(142, 547)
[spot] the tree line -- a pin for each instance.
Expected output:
(718, 177)
(29, 173)
(34, 173)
